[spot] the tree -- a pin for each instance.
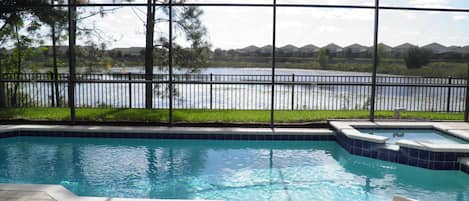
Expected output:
(416, 57)
(187, 24)
(57, 24)
(382, 54)
(323, 58)
(20, 16)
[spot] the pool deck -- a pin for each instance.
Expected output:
(39, 192)
(166, 130)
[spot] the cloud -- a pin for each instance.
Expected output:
(325, 28)
(430, 3)
(459, 17)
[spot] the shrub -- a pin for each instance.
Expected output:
(416, 58)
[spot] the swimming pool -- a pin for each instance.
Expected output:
(423, 135)
(222, 170)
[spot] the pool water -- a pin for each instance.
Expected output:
(221, 170)
(423, 135)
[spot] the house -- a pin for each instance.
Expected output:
(60, 49)
(308, 50)
(356, 50)
(248, 50)
(384, 47)
(131, 51)
(266, 50)
(436, 48)
(400, 50)
(465, 49)
(334, 50)
(288, 50)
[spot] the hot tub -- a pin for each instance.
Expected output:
(429, 135)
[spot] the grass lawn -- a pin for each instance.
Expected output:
(203, 116)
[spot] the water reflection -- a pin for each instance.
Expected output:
(226, 170)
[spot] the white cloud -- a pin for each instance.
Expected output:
(237, 27)
(410, 16)
(325, 28)
(459, 17)
(430, 3)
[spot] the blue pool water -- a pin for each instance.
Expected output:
(424, 135)
(222, 170)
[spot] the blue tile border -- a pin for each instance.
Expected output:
(253, 137)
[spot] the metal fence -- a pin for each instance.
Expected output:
(237, 92)
(439, 96)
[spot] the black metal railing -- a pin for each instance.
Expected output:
(238, 92)
(378, 94)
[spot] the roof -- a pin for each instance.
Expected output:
(249, 49)
(289, 48)
(436, 48)
(404, 46)
(333, 48)
(356, 48)
(309, 48)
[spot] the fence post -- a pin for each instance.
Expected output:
(211, 91)
(130, 90)
(293, 92)
(52, 85)
(448, 99)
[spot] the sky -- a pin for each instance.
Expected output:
(238, 27)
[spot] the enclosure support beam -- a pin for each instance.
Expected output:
(375, 62)
(2, 86)
(55, 88)
(72, 23)
(170, 62)
(272, 100)
(149, 55)
(466, 109)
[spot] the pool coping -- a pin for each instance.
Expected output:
(166, 130)
(457, 129)
(60, 193)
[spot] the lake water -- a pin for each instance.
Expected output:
(317, 90)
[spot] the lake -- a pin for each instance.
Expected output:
(233, 88)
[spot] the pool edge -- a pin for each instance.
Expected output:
(60, 193)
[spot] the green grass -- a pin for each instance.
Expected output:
(204, 116)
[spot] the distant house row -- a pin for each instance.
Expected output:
(356, 49)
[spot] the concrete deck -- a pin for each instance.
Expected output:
(32, 192)
(166, 130)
